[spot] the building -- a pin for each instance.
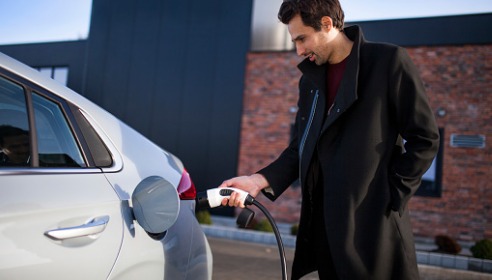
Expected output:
(454, 56)
(189, 76)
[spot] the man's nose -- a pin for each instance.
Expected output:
(300, 50)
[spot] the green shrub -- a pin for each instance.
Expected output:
(482, 249)
(204, 217)
(294, 229)
(263, 225)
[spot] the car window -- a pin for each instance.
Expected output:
(56, 143)
(14, 126)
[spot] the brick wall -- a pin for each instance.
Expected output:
(458, 80)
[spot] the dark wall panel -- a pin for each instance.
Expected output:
(116, 63)
(168, 102)
(143, 63)
(445, 30)
(226, 90)
(94, 81)
(199, 91)
(174, 70)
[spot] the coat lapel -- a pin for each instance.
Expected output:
(316, 74)
(346, 95)
(316, 77)
(347, 92)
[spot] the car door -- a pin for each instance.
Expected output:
(59, 217)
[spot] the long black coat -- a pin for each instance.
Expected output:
(368, 176)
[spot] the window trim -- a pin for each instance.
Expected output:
(79, 116)
(434, 188)
(29, 88)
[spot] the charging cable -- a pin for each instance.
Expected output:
(213, 198)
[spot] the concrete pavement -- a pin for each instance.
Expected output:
(224, 231)
(241, 260)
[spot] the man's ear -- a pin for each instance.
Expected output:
(326, 23)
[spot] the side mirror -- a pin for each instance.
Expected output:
(155, 204)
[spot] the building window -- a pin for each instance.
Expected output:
(57, 73)
(431, 181)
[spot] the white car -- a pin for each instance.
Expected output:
(68, 204)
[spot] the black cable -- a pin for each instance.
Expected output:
(203, 201)
(277, 235)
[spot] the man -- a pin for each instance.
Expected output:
(358, 101)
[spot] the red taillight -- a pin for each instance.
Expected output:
(186, 188)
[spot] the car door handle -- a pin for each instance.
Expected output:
(94, 226)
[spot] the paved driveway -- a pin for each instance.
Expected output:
(243, 260)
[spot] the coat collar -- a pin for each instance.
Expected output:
(347, 92)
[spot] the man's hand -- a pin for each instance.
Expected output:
(252, 184)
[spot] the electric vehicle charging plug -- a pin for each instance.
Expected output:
(213, 197)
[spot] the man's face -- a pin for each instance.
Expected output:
(16, 148)
(309, 42)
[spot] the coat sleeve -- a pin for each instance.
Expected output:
(416, 125)
(283, 171)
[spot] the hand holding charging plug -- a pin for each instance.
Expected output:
(214, 197)
(252, 184)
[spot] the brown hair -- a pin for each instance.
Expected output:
(311, 12)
